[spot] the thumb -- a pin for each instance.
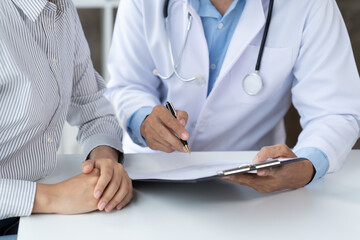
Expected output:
(261, 172)
(87, 166)
(264, 172)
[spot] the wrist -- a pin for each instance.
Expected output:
(44, 198)
(104, 152)
(142, 126)
(313, 173)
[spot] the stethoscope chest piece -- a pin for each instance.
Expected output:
(253, 84)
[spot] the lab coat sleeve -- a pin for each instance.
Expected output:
(132, 84)
(327, 86)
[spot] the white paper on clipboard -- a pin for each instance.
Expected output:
(184, 167)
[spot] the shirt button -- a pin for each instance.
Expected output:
(54, 61)
(220, 26)
(49, 140)
(201, 82)
(11, 216)
(213, 66)
(60, 102)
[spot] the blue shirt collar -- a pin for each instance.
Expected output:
(205, 8)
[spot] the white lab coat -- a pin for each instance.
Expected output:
(307, 60)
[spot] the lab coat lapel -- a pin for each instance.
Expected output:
(251, 22)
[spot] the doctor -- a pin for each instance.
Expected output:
(232, 68)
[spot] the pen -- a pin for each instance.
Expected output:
(171, 108)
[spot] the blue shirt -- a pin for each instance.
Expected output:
(218, 31)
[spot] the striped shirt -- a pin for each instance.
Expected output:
(46, 78)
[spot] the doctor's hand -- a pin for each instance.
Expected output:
(160, 130)
(114, 187)
(289, 176)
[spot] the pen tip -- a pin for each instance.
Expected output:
(188, 149)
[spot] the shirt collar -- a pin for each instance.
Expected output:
(204, 8)
(31, 8)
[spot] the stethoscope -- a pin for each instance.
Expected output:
(252, 83)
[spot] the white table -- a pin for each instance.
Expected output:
(107, 25)
(327, 209)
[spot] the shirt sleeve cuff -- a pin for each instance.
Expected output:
(134, 125)
(101, 140)
(318, 158)
(16, 198)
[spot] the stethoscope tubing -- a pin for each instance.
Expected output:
(263, 41)
(166, 9)
(175, 65)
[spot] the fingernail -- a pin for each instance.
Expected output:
(119, 207)
(182, 122)
(184, 150)
(97, 194)
(183, 136)
(256, 159)
(86, 166)
(261, 173)
(102, 206)
(109, 207)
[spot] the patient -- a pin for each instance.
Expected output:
(47, 78)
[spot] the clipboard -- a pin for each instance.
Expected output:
(199, 166)
(258, 166)
(247, 168)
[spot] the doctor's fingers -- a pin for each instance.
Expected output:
(155, 142)
(266, 184)
(182, 117)
(160, 116)
(276, 151)
(289, 176)
(168, 120)
(166, 136)
(156, 145)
